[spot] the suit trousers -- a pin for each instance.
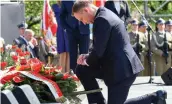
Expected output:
(77, 42)
(117, 92)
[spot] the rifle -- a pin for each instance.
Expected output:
(138, 47)
(165, 49)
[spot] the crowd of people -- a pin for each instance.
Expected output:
(160, 53)
(39, 47)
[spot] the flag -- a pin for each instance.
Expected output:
(49, 24)
(99, 3)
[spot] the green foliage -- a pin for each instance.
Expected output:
(5, 57)
(152, 7)
(33, 11)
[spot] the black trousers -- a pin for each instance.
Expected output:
(77, 42)
(117, 92)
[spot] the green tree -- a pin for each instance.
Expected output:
(152, 6)
(33, 13)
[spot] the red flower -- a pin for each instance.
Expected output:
(12, 68)
(23, 61)
(14, 46)
(50, 77)
(36, 67)
(48, 71)
(3, 81)
(3, 64)
(66, 76)
(24, 67)
(18, 50)
(27, 53)
(21, 54)
(15, 58)
(34, 60)
(8, 77)
(18, 79)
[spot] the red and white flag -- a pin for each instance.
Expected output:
(49, 24)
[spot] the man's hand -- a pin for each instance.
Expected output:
(82, 59)
(34, 42)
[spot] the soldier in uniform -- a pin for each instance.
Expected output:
(138, 40)
(134, 31)
(157, 44)
(20, 40)
(134, 34)
(142, 31)
(168, 26)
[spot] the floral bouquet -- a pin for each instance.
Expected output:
(20, 69)
(48, 83)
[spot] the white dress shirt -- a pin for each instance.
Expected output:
(117, 6)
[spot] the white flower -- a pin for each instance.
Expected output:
(8, 46)
(13, 53)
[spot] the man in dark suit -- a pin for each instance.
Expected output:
(26, 45)
(77, 32)
(112, 58)
(120, 8)
(20, 40)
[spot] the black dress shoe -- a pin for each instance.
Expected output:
(161, 96)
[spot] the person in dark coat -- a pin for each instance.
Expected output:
(19, 41)
(32, 48)
(78, 33)
(120, 8)
(62, 40)
(112, 58)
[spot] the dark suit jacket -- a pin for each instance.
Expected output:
(19, 41)
(124, 11)
(112, 49)
(70, 23)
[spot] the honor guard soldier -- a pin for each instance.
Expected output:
(160, 43)
(20, 40)
(142, 31)
(134, 31)
(136, 37)
(168, 26)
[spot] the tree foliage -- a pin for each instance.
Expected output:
(152, 6)
(33, 14)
